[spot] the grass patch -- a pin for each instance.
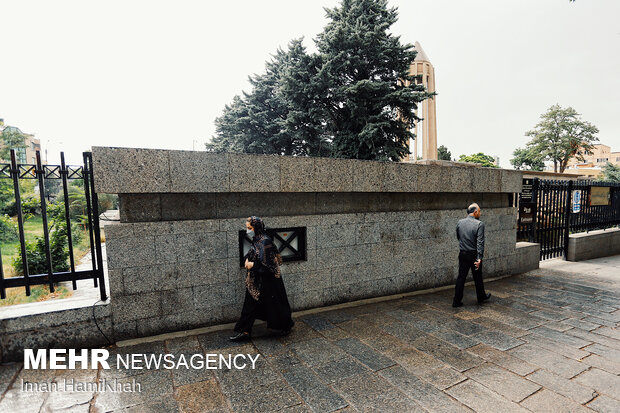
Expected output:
(34, 228)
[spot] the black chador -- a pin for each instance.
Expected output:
(265, 296)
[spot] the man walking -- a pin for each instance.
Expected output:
(470, 233)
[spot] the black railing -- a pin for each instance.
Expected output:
(550, 210)
(41, 173)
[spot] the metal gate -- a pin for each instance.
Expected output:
(65, 173)
(550, 210)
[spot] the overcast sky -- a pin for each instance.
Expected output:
(156, 74)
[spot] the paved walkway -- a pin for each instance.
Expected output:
(548, 341)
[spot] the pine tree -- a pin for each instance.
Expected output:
(369, 112)
(279, 115)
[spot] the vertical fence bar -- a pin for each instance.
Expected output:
(85, 172)
(46, 236)
(566, 232)
(2, 289)
(65, 189)
(535, 191)
(18, 204)
(96, 228)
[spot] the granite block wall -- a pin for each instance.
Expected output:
(593, 244)
(175, 275)
(373, 229)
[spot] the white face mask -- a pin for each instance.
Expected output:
(250, 232)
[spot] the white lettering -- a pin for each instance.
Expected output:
(211, 359)
(32, 362)
(82, 358)
(100, 356)
(201, 363)
(235, 362)
(57, 356)
(253, 360)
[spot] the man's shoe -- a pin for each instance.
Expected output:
(242, 336)
(486, 297)
(457, 304)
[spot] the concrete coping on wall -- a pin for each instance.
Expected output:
(138, 170)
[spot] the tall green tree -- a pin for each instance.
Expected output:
(443, 154)
(279, 115)
(10, 138)
(479, 158)
(349, 100)
(369, 112)
(611, 173)
(561, 135)
(527, 159)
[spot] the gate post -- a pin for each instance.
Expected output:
(532, 232)
(569, 200)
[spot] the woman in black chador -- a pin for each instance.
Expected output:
(265, 296)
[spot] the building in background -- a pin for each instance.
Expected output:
(593, 162)
(25, 155)
(425, 129)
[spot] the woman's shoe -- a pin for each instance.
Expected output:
(242, 336)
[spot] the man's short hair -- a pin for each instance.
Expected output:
(472, 208)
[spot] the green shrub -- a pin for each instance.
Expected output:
(8, 229)
(36, 255)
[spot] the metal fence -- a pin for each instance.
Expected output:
(63, 172)
(550, 210)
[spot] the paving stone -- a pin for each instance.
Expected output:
(604, 404)
(201, 397)
(546, 359)
(548, 401)
(495, 325)
(167, 405)
(334, 334)
(423, 393)
(183, 376)
(503, 382)
(609, 332)
(459, 340)
(403, 331)
(443, 378)
(602, 363)
(498, 340)
(339, 369)
(604, 351)
(317, 351)
(601, 381)
(481, 399)
(365, 354)
(558, 326)
(568, 388)
(367, 391)
(459, 359)
(561, 337)
(318, 323)
(549, 315)
(560, 348)
(593, 337)
(503, 359)
(7, 372)
(313, 391)
(600, 321)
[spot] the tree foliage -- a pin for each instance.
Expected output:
(348, 100)
(611, 173)
(443, 154)
(10, 138)
(561, 135)
(527, 159)
(479, 158)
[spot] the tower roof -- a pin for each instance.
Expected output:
(421, 56)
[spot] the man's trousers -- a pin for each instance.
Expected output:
(466, 262)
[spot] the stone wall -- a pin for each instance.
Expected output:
(373, 228)
(593, 244)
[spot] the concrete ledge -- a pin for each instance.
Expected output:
(593, 244)
(70, 327)
(527, 257)
(141, 171)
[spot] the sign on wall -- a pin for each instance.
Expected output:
(600, 195)
(576, 201)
